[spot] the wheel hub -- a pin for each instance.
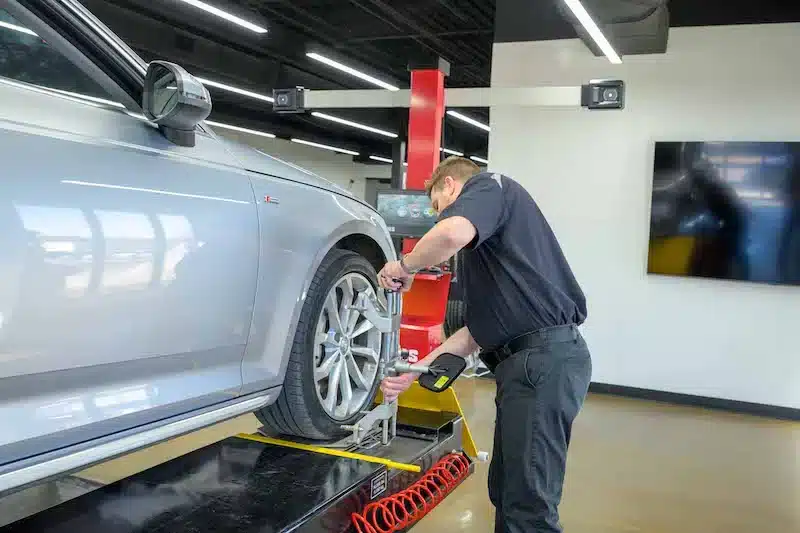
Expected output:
(344, 344)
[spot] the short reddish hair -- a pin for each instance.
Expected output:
(458, 168)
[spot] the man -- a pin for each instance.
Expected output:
(523, 308)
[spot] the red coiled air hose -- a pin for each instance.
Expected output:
(402, 510)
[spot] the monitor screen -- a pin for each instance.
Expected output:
(727, 210)
(407, 213)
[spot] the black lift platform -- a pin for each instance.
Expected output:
(245, 486)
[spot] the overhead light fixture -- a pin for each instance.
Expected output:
(239, 129)
(14, 27)
(325, 147)
(353, 72)
(451, 152)
(593, 30)
(354, 124)
(384, 159)
(237, 90)
(468, 120)
(225, 15)
(479, 159)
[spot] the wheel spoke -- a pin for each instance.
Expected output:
(348, 298)
(345, 387)
(355, 373)
(332, 307)
(333, 386)
(364, 327)
(352, 318)
(324, 370)
(326, 340)
(367, 352)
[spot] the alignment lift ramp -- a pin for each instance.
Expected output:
(397, 463)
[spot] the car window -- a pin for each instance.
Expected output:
(26, 57)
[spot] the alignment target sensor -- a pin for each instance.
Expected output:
(603, 94)
(443, 372)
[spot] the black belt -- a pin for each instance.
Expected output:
(492, 358)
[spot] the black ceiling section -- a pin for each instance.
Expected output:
(378, 37)
(529, 20)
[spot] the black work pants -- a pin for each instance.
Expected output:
(539, 393)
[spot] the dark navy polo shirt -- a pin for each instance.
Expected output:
(514, 275)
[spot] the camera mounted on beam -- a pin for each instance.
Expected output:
(603, 94)
(289, 100)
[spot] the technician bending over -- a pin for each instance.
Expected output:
(523, 308)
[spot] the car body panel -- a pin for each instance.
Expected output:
(144, 286)
(119, 296)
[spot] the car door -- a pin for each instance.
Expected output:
(127, 264)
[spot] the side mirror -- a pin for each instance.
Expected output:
(175, 100)
(443, 372)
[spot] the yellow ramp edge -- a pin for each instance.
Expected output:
(330, 451)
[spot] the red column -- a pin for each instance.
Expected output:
(424, 125)
(424, 306)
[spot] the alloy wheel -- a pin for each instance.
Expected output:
(346, 350)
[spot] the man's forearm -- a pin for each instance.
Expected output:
(441, 243)
(459, 343)
(429, 251)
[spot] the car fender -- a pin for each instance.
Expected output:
(266, 356)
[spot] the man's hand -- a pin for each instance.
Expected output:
(394, 277)
(394, 386)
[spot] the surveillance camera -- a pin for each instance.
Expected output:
(603, 94)
(289, 100)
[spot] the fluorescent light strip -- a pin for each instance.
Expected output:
(17, 28)
(265, 98)
(468, 120)
(239, 128)
(352, 71)
(384, 159)
(479, 159)
(354, 124)
(325, 147)
(594, 31)
(225, 15)
(451, 152)
(230, 88)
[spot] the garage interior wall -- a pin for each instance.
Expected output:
(591, 173)
(338, 168)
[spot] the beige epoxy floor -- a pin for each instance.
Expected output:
(634, 466)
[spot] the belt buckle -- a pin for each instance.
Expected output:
(504, 352)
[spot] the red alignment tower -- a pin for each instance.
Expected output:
(425, 304)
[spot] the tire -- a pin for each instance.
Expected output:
(454, 317)
(300, 410)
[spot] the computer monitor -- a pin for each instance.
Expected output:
(407, 213)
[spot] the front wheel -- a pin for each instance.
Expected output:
(332, 374)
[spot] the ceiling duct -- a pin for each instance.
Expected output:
(631, 26)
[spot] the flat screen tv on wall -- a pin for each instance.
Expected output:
(726, 210)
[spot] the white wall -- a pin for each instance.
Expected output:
(335, 167)
(591, 173)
